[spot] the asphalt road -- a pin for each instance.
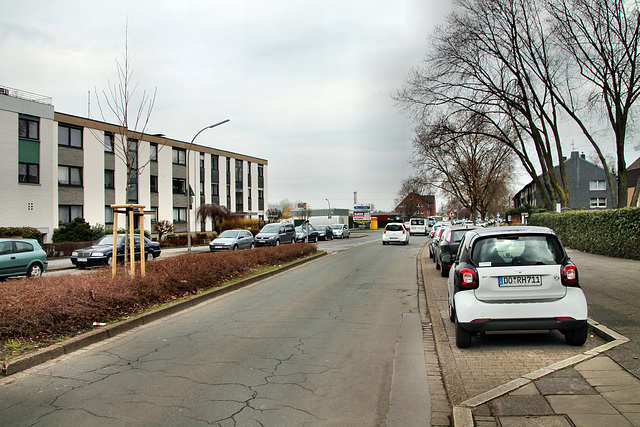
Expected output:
(334, 342)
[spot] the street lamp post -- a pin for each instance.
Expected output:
(329, 216)
(188, 185)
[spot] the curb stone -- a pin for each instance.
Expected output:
(29, 360)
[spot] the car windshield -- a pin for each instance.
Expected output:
(394, 227)
(271, 228)
(517, 250)
(229, 234)
(417, 222)
(108, 240)
(337, 226)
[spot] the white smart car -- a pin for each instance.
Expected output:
(515, 278)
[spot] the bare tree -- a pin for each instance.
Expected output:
(120, 100)
(472, 169)
(601, 38)
(213, 212)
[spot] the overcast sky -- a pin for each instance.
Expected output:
(307, 85)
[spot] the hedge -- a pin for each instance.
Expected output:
(21, 232)
(611, 232)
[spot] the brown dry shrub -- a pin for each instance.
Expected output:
(51, 306)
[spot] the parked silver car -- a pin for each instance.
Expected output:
(340, 230)
(231, 240)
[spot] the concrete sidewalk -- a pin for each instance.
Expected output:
(577, 387)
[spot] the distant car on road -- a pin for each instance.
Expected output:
(514, 278)
(22, 257)
(340, 230)
(231, 240)
(394, 232)
(101, 253)
(301, 233)
(418, 226)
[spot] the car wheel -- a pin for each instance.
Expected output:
(444, 272)
(277, 242)
(578, 336)
(109, 261)
(437, 263)
(253, 246)
(293, 240)
(150, 256)
(235, 248)
(463, 337)
(452, 313)
(35, 270)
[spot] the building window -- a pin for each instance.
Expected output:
(179, 186)
(29, 128)
(66, 213)
(260, 176)
(28, 150)
(598, 185)
(153, 183)
(109, 142)
(154, 214)
(215, 190)
(214, 162)
(69, 136)
(109, 178)
(261, 200)
(108, 215)
(70, 175)
(179, 156)
(28, 173)
(179, 215)
(153, 152)
(598, 202)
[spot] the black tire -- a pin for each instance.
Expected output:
(463, 337)
(437, 264)
(235, 248)
(277, 242)
(444, 272)
(150, 257)
(108, 261)
(578, 336)
(253, 246)
(35, 270)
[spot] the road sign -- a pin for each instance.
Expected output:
(452, 213)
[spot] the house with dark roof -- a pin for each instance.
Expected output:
(416, 205)
(632, 178)
(588, 187)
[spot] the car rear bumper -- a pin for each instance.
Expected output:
(567, 312)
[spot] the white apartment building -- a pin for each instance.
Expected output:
(57, 167)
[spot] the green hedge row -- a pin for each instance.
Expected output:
(21, 232)
(611, 232)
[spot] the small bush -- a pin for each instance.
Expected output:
(39, 310)
(21, 232)
(77, 230)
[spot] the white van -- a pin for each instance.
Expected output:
(418, 226)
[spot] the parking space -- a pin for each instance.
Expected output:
(494, 359)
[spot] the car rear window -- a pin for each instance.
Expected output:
(417, 222)
(394, 227)
(457, 235)
(517, 250)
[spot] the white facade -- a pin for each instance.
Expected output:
(37, 204)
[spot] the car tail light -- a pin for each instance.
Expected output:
(570, 275)
(448, 238)
(468, 278)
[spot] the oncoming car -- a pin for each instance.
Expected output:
(515, 278)
(340, 230)
(395, 232)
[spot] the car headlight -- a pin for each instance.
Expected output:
(97, 254)
(74, 253)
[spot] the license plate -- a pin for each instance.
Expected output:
(520, 281)
(82, 260)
